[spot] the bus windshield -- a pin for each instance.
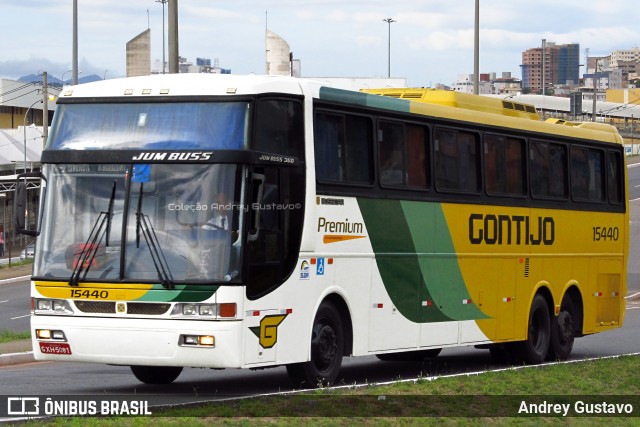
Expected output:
(155, 223)
(187, 125)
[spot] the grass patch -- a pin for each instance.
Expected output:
(7, 335)
(492, 398)
(20, 263)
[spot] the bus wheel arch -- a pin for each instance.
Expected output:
(567, 325)
(330, 340)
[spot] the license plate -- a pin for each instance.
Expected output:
(55, 348)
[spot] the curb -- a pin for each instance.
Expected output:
(14, 279)
(16, 358)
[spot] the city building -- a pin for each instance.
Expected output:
(139, 55)
(561, 66)
(489, 84)
(20, 103)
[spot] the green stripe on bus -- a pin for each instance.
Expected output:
(363, 99)
(438, 260)
(181, 293)
(417, 260)
(397, 261)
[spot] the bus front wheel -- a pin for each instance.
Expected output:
(535, 348)
(156, 374)
(327, 349)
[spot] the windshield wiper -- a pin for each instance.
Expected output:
(101, 228)
(143, 224)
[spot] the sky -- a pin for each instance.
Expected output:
(431, 41)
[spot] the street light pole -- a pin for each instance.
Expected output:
(389, 21)
(174, 58)
(74, 59)
(163, 44)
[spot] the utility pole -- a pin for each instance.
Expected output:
(476, 51)
(595, 91)
(74, 60)
(389, 21)
(544, 46)
(45, 108)
(173, 37)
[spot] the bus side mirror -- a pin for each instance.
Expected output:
(20, 210)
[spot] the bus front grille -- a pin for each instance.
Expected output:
(110, 307)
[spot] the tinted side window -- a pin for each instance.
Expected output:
(504, 165)
(403, 154)
(391, 154)
(548, 165)
(615, 183)
(587, 177)
(456, 161)
(343, 148)
(279, 127)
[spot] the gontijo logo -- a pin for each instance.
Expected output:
(344, 230)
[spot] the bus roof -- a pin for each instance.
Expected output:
(184, 85)
(430, 102)
(461, 100)
(469, 108)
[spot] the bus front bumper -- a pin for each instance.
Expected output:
(150, 342)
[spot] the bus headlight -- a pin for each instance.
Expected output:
(208, 311)
(189, 309)
(52, 306)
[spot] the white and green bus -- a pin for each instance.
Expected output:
(224, 221)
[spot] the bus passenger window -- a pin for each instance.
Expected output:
(548, 170)
(614, 177)
(358, 150)
(587, 175)
(343, 148)
(329, 136)
(503, 167)
(456, 160)
(391, 154)
(417, 160)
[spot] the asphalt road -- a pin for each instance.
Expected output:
(15, 306)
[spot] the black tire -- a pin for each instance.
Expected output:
(563, 331)
(409, 356)
(327, 349)
(156, 374)
(535, 348)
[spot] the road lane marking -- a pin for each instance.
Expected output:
(20, 317)
(631, 296)
(4, 301)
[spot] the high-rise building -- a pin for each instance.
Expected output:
(139, 55)
(561, 66)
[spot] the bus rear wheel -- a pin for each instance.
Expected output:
(535, 348)
(156, 374)
(563, 331)
(327, 349)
